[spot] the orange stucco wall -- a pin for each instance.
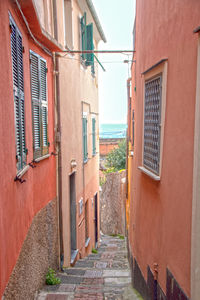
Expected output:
(104, 149)
(19, 203)
(160, 213)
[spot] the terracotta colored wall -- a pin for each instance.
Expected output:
(19, 203)
(104, 149)
(160, 218)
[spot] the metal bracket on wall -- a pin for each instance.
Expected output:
(19, 179)
(54, 154)
(31, 165)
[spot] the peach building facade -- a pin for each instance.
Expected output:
(77, 128)
(163, 173)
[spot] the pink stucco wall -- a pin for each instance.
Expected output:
(160, 213)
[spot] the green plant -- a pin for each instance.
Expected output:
(94, 250)
(116, 159)
(120, 236)
(51, 278)
(102, 180)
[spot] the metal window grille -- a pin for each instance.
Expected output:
(152, 120)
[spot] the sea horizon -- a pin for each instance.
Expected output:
(112, 130)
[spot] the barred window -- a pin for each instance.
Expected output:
(152, 121)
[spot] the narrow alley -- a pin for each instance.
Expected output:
(101, 275)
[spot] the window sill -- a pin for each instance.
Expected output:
(23, 171)
(149, 173)
(85, 161)
(42, 158)
(87, 242)
(83, 64)
(74, 254)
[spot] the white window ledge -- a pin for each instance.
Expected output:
(74, 254)
(22, 172)
(149, 173)
(42, 157)
(87, 242)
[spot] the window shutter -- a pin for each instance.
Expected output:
(85, 154)
(18, 87)
(83, 36)
(93, 136)
(43, 94)
(39, 105)
(35, 93)
(90, 45)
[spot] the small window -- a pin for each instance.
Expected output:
(39, 105)
(93, 136)
(155, 94)
(68, 24)
(18, 88)
(85, 146)
(48, 11)
(152, 121)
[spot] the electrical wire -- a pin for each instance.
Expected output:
(30, 32)
(103, 62)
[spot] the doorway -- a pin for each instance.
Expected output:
(96, 219)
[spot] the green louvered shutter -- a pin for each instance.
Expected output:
(85, 153)
(89, 45)
(39, 105)
(44, 105)
(18, 88)
(93, 136)
(83, 36)
(36, 113)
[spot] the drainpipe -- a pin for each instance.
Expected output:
(58, 141)
(128, 131)
(59, 161)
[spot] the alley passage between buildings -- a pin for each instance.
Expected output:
(105, 275)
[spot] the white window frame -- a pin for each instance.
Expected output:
(159, 68)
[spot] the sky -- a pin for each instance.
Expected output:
(117, 19)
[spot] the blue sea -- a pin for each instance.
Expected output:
(112, 131)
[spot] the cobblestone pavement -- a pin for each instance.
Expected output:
(105, 275)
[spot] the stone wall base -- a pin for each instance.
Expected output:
(112, 203)
(150, 289)
(38, 253)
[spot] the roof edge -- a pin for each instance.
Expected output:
(96, 19)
